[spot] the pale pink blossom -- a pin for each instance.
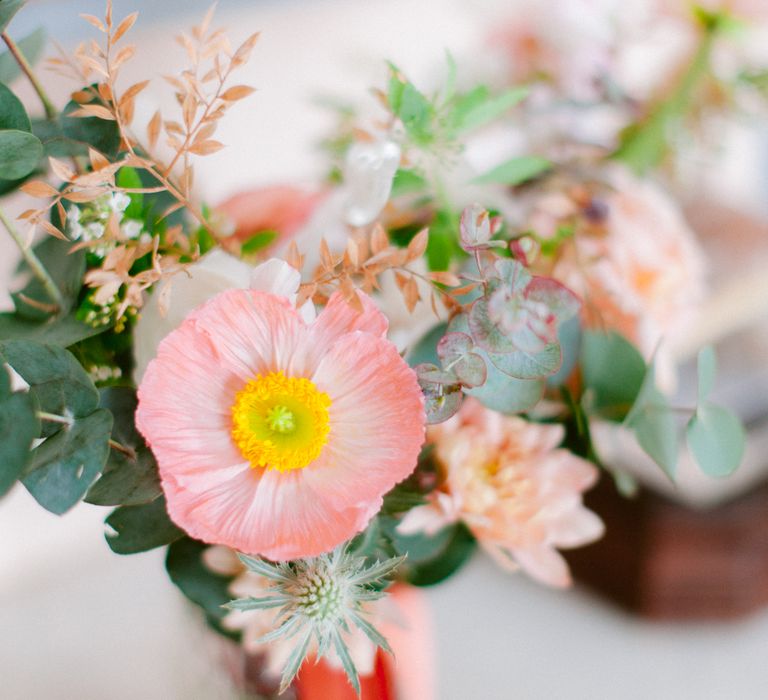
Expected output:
(275, 436)
(633, 260)
(518, 493)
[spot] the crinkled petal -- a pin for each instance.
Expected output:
(377, 419)
(267, 512)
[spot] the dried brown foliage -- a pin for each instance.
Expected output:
(203, 96)
(366, 258)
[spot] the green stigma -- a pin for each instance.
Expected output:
(280, 419)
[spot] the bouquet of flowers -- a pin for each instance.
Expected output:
(308, 396)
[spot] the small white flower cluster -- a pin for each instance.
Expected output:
(103, 373)
(88, 222)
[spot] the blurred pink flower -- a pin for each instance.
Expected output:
(280, 208)
(635, 263)
(518, 493)
(274, 435)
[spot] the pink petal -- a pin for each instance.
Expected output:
(377, 419)
(255, 332)
(267, 512)
(544, 564)
(336, 319)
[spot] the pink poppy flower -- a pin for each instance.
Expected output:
(275, 436)
(281, 208)
(518, 493)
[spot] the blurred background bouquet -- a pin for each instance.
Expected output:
(507, 281)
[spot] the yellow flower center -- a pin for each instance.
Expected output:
(280, 422)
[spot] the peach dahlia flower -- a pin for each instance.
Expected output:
(275, 436)
(520, 495)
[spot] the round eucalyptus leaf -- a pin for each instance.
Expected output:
(12, 112)
(20, 153)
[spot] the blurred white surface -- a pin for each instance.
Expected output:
(79, 623)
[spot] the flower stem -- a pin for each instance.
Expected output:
(50, 110)
(38, 269)
(54, 418)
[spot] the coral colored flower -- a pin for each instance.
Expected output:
(516, 491)
(633, 260)
(280, 208)
(275, 436)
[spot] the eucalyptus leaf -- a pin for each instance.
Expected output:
(141, 528)
(528, 365)
(127, 479)
(66, 464)
(63, 331)
(8, 8)
(20, 152)
(12, 112)
(433, 559)
(19, 426)
(500, 392)
(515, 171)
(653, 423)
(101, 134)
(205, 588)
(424, 351)
(31, 47)
(66, 269)
(57, 380)
(716, 439)
(613, 372)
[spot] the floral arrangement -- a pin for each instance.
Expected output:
(309, 395)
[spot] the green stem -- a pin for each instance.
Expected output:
(644, 144)
(50, 110)
(54, 418)
(38, 269)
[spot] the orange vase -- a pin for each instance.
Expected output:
(407, 676)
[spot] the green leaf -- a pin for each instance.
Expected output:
(500, 392)
(129, 178)
(515, 171)
(19, 426)
(64, 331)
(126, 480)
(258, 241)
(8, 8)
(653, 422)
(424, 350)
(433, 559)
(707, 369)
(101, 134)
(31, 46)
(716, 439)
(407, 181)
(527, 365)
(477, 107)
(141, 528)
(205, 588)
(411, 106)
(613, 372)
(67, 270)
(65, 465)
(57, 381)
(20, 153)
(442, 244)
(12, 112)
